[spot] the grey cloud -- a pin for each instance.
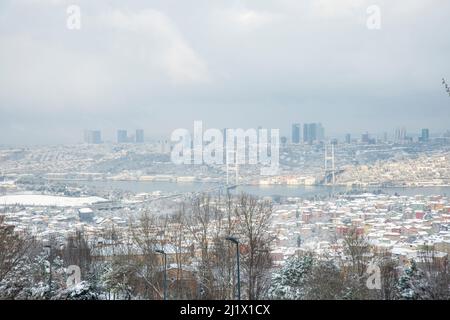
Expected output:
(162, 64)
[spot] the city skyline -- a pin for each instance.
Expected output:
(111, 135)
(243, 151)
(298, 137)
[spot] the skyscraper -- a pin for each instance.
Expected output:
(296, 133)
(365, 138)
(400, 135)
(93, 136)
(425, 135)
(313, 132)
(97, 136)
(122, 136)
(308, 129)
(224, 133)
(348, 138)
(139, 136)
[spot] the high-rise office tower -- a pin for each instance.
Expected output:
(308, 132)
(97, 136)
(425, 135)
(122, 136)
(93, 136)
(348, 138)
(365, 138)
(313, 132)
(296, 133)
(400, 134)
(139, 136)
(224, 133)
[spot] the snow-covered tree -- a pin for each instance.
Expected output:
(18, 283)
(81, 291)
(289, 282)
(327, 281)
(48, 276)
(13, 249)
(114, 279)
(412, 284)
(31, 278)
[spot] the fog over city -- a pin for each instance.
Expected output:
(235, 153)
(160, 65)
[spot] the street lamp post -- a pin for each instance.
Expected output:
(165, 271)
(236, 242)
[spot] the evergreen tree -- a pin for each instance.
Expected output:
(289, 283)
(412, 284)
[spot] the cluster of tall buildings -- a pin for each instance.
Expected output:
(308, 133)
(401, 136)
(366, 139)
(122, 136)
(312, 132)
(95, 136)
(348, 138)
(425, 136)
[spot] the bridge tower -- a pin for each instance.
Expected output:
(329, 160)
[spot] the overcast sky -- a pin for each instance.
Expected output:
(160, 65)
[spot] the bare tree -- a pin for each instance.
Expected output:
(148, 235)
(77, 251)
(357, 249)
(200, 223)
(388, 274)
(325, 281)
(435, 268)
(13, 247)
(253, 224)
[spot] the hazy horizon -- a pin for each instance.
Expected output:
(160, 65)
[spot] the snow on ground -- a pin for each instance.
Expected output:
(47, 200)
(7, 182)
